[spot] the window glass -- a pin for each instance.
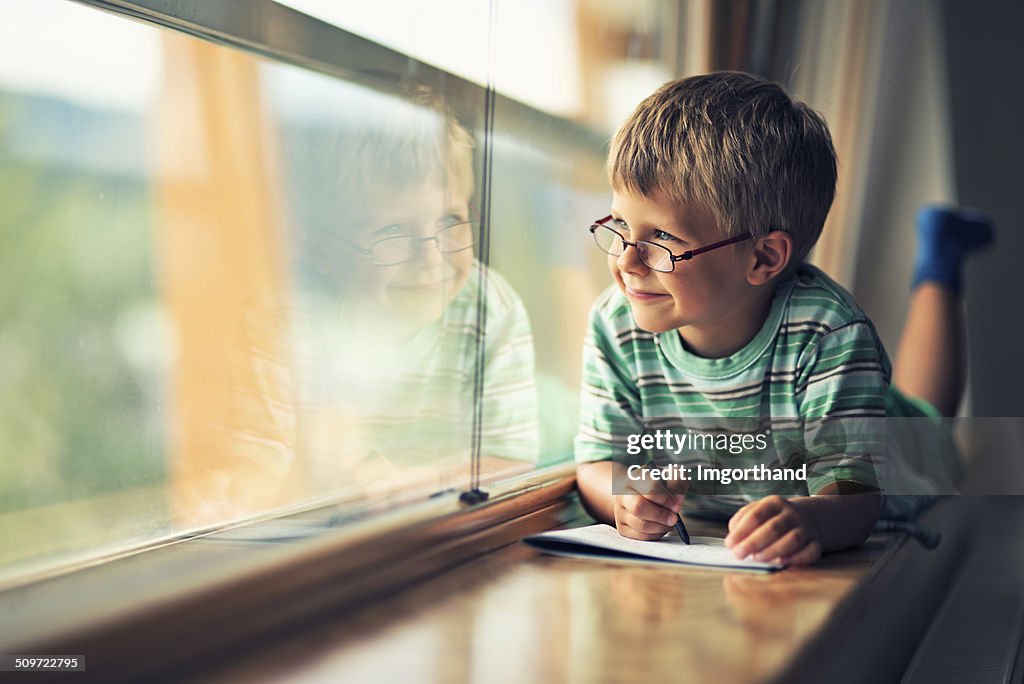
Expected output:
(389, 300)
(231, 287)
(549, 182)
(87, 345)
(235, 287)
(589, 61)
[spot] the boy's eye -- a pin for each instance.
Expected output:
(664, 237)
(384, 232)
(451, 220)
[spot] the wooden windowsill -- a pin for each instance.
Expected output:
(371, 603)
(153, 612)
(514, 615)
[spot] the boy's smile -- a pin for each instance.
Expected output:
(708, 298)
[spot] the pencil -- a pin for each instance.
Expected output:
(681, 530)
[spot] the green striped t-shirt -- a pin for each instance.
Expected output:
(814, 378)
(373, 400)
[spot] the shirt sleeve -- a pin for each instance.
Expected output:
(841, 388)
(609, 401)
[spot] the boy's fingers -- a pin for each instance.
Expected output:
(788, 545)
(738, 516)
(643, 507)
(766, 534)
(648, 523)
(810, 553)
(664, 500)
(671, 502)
(639, 528)
(757, 515)
(630, 533)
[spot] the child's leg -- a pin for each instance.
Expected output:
(930, 359)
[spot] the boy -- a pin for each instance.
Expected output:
(396, 361)
(374, 375)
(721, 187)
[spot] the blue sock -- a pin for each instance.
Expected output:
(944, 237)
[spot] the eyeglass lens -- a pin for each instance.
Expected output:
(653, 256)
(397, 250)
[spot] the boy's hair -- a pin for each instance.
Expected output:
(410, 139)
(736, 145)
(397, 143)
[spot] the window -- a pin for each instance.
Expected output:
(242, 282)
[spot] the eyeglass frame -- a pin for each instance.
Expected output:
(673, 258)
(414, 242)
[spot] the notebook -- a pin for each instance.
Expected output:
(605, 543)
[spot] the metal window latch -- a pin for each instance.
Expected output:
(472, 497)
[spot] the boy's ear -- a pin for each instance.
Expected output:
(771, 256)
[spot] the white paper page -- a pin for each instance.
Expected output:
(704, 551)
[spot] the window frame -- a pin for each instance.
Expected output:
(285, 35)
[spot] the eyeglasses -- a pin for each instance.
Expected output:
(654, 256)
(453, 237)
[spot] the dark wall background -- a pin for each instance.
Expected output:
(985, 58)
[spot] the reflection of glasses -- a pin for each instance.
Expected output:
(654, 256)
(390, 251)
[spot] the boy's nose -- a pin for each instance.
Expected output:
(629, 261)
(427, 252)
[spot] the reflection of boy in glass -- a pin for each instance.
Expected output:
(412, 251)
(390, 366)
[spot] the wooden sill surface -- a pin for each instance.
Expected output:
(517, 616)
(153, 613)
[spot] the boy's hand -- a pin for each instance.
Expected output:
(773, 529)
(649, 513)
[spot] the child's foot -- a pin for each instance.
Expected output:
(944, 237)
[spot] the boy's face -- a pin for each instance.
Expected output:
(707, 295)
(416, 291)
